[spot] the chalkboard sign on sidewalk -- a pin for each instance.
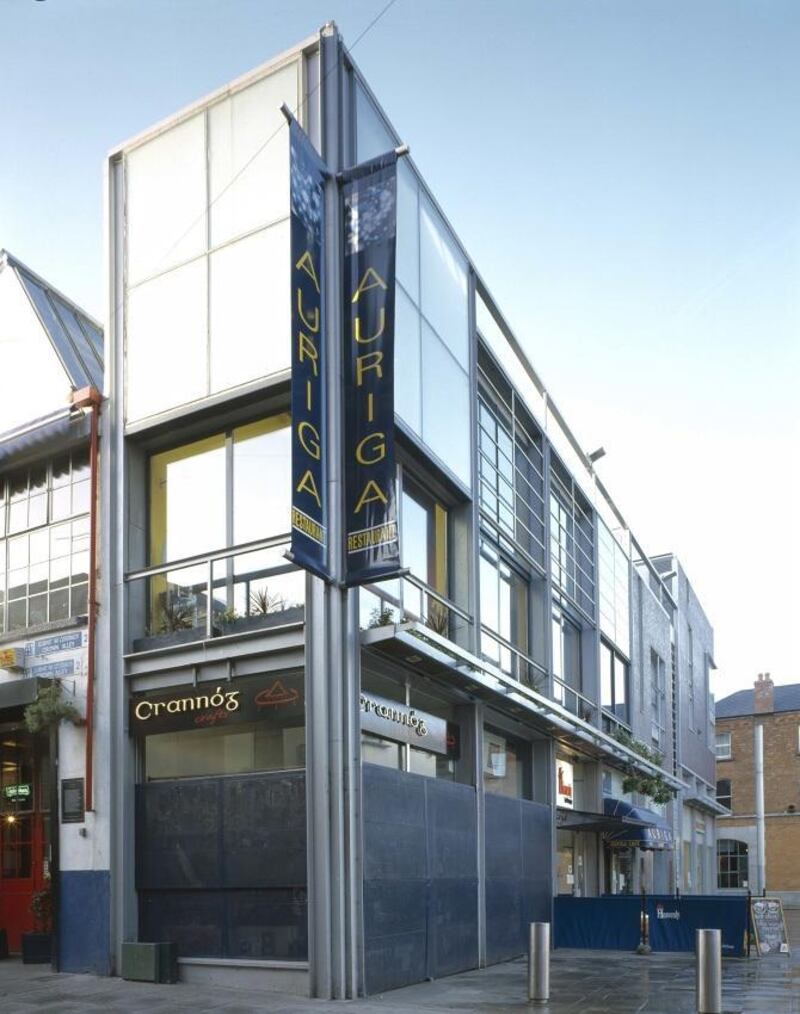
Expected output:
(769, 925)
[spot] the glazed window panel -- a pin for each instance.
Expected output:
(613, 686)
(250, 308)
(249, 145)
(613, 589)
(443, 272)
(44, 562)
(408, 362)
(732, 863)
(504, 611)
(571, 540)
(166, 200)
(166, 341)
(372, 135)
(445, 406)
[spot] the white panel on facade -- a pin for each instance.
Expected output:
(250, 301)
(166, 341)
(24, 344)
(249, 156)
(166, 200)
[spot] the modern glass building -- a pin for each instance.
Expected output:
(345, 791)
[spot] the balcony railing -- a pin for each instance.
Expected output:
(408, 598)
(226, 592)
(511, 659)
(573, 700)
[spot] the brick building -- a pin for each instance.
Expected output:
(777, 710)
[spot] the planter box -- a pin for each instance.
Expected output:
(36, 948)
(150, 962)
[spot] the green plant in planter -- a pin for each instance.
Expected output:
(175, 617)
(49, 709)
(652, 786)
(42, 909)
(381, 616)
(262, 603)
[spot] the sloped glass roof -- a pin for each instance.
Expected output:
(78, 342)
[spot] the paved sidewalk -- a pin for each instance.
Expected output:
(582, 982)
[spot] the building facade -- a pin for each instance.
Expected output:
(54, 817)
(356, 789)
(747, 859)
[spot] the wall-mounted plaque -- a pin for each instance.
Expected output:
(73, 809)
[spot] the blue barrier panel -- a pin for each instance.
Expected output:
(609, 923)
(673, 921)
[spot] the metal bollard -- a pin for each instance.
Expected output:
(709, 971)
(539, 962)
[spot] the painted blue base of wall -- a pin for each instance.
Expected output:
(84, 922)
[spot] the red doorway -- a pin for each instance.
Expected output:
(23, 823)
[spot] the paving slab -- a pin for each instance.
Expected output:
(582, 982)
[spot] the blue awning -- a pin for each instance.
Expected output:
(643, 828)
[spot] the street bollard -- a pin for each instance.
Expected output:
(709, 971)
(539, 962)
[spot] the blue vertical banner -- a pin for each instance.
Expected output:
(372, 545)
(309, 443)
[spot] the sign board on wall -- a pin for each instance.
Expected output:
(403, 724)
(494, 755)
(12, 658)
(72, 801)
(564, 784)
(247, 699)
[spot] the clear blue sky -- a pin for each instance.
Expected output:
(625, 174)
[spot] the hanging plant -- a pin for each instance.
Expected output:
(49, 709)
(42, 910)
(652, 786)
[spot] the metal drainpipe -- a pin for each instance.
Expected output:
(758, 765)
(90, 398)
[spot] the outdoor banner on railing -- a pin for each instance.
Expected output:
(372, 545)
(309, 508)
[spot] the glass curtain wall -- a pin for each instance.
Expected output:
(44, 542)
(571, 540)
(207, 268)
(613, 582)
(432, 348)
(226, 490)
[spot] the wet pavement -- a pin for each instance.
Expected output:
(582, 982)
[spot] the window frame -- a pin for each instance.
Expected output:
(722, 796)
(723, 756)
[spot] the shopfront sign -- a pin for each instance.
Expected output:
(73, 809)
(216, 704)
(403, 724)
(564, 784)
(372, 544)
(12, 658)
(309, 443)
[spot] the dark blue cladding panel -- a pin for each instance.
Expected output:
(84, 921)
(420, 881)
(518, 848)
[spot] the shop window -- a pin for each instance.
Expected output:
(376, 750)
(732, 864)
(722, 742)
(506, 764)
(724, 792)
(44, 561)
(223, 491)
(613, 687)
(504, 613)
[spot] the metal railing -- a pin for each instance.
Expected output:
(221, 592)
(512, 660)
(409, 598)
(573, 700)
